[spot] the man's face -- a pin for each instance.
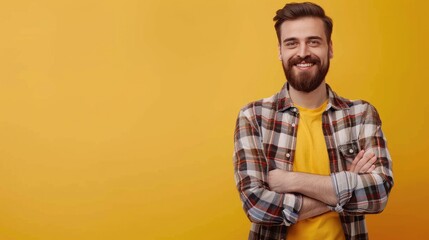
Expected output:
(305, 53)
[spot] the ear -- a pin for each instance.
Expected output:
(331, 50)
(280, 52)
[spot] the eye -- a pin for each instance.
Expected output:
(314, 43)
(291, 44)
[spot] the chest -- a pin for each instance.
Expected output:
(282, 133)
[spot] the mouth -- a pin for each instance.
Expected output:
(304, 65)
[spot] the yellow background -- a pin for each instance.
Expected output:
(117, 117)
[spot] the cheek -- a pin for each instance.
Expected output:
(322, 54)
(286, 57)
(286, 54)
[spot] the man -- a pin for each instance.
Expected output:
(308, 163)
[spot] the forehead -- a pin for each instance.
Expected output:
(302, 28)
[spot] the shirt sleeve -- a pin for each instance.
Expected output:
(261, 205)
(367, 192)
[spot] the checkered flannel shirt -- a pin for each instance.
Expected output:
(265, 139)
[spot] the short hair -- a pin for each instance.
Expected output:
(293, 11)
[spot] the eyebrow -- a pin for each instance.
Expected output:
(308, 38)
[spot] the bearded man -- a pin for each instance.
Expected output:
(308, 163)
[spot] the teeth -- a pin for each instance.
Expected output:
(304, 64)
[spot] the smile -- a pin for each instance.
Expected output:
(304, 65)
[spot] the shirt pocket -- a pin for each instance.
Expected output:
(348, 152)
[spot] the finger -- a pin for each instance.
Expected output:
(372, 168)
(369, 154)
(364, 160)
(368, 164)
(356, 160)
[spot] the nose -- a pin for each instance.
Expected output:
(303, 51)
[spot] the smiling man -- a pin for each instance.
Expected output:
(308, 163)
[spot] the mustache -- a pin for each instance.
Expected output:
(308, 59)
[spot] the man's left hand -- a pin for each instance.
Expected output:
(278, 180)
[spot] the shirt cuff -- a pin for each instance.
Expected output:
(337, 208)
(292, 204)
(344, 184)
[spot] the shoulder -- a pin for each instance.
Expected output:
(360, 109)
(264, 106)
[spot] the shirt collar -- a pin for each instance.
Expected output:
(284, 102)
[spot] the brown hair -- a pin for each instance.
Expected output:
(293, 11)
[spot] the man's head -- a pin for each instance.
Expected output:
(305, 46)
(293, 11)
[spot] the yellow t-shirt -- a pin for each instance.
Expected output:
(311, 156)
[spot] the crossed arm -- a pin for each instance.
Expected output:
(317, 190)
(356, 191)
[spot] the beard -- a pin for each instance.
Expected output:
(305, 81)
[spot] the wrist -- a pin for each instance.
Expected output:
(292, 182)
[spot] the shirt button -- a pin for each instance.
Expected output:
(288, 155)
(351, 150)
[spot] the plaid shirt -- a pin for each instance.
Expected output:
(265, 139)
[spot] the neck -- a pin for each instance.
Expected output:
(309, 100)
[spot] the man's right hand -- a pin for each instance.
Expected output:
(363, 162)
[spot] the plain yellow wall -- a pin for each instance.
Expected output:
(116, 117)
